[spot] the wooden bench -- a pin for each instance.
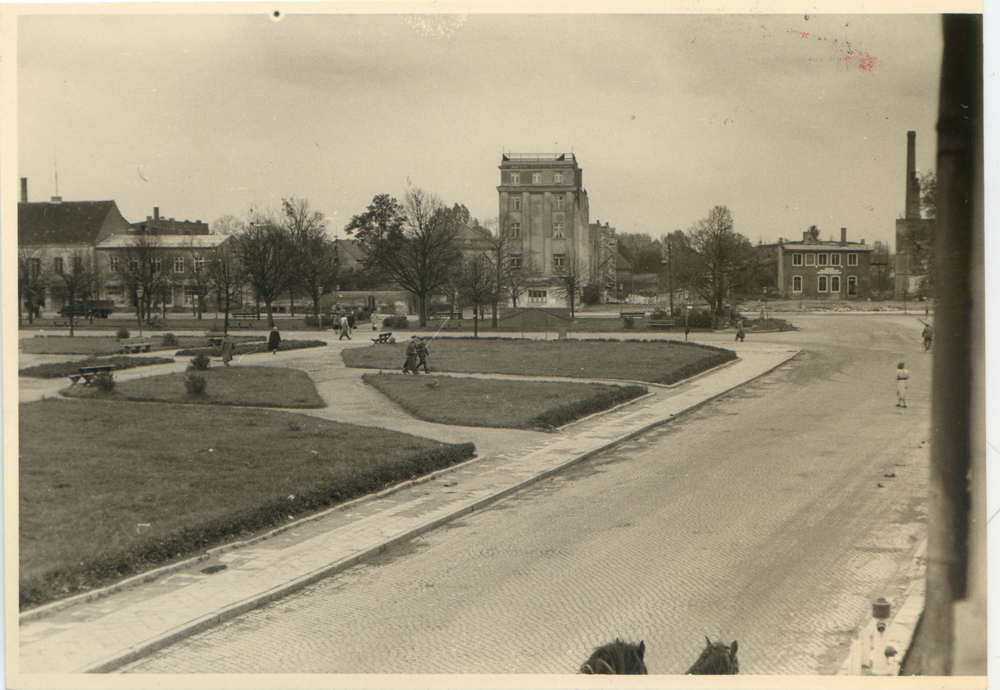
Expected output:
(661, 325)
(243, 319)
(88, 373)
(383, 338)
(134, 344)
(60, 322)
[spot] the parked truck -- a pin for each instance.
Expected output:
(88, 309)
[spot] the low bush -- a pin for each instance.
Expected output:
(195, 385)
(558, 416)
(200, 362)
(629, 323)
(169, 340)
(398, 321)
(105, 382)
(325, 320)
(252, 347)
(123, 333)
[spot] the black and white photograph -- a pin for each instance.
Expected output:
(704, 293)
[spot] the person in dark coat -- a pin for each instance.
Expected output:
(350, 319)
(273, 341)
(422, 353)
(227, 349)
(411, 356)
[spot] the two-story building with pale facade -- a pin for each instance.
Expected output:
(819, 269)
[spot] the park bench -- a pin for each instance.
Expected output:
(633, 314)
(60, 322)
(134, 344)
(383, 338)
(243, 319)
(661, 325)
(88, 373)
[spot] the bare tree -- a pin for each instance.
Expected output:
(412, 244)
(725, 259)
(572, 276)
(269, 258)
(226, 225)
(75, 277)
(140, 265)
(30, 280)
(226, 276)
(476, 283)
(318, 266)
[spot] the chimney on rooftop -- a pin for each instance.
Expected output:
(57, 200)
(843, 235)
(156, 213)
(912, 183)
(24, 189)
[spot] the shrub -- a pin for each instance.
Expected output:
(123, 333)
(629, 322)
(395, 322)
(195, 385)
(105, 382)
(324, 321)
(658, 315)
(169, 340)
(200, 362)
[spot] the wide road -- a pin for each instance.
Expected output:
(764, 517)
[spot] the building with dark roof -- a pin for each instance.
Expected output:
(819, 269)
(168, 226)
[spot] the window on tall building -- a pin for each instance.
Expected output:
(57, 264)
(852, 285)
(113, 264)
(796, 259)
(114, 291)
(199, 265)
(834, 283)
(515, 261)
(536, 178)
(560, 201)
(821, 260)
(797, 284)
(515, 178)
(852, 259)
(558, 261)
(515, 229)
(558, 228)
(156, 265)
(133, 265)
(821, 287)
(515, 203)
(178, 264)
(835, 259)
(36, 267)
(810, 259)
(559, 178)
(537, 295)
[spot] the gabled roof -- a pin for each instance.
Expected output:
(67, 222)
(621, 263)
(117, 241)
(350, 248)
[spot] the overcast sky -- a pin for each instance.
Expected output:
(788, 120)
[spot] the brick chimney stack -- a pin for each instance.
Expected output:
(24, 189)
(843, 235)
(156, 213)
(912, 183)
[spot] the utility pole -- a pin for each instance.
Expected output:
(670, 274)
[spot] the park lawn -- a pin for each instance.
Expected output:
(54, 370)
(110, 489)
(464, 401)
(653, 361)
(250, 386)
(97, 345)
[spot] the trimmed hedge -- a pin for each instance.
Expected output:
(251, 347)
(56, 370)
(558, 416)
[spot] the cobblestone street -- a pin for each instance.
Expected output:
(767, 516)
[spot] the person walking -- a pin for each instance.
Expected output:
(928, 336)
(350, 320)
(227, 349)
(345, 328)
(422, 354)
(411, 356)
(274, 340)
(901, 377)
(374, 319)
(740, 333)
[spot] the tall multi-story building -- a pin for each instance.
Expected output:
(545, 206)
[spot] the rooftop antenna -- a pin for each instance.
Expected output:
(55, 168)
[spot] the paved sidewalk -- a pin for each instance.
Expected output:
(103, 631)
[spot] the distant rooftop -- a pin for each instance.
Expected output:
(539, 157)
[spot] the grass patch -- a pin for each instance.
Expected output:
(111, 489)
(245, 386)
(252, 347)
(54, 370)
(96, 345)
(652, 361)
(499, 403)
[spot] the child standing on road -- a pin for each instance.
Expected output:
(901, 376)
